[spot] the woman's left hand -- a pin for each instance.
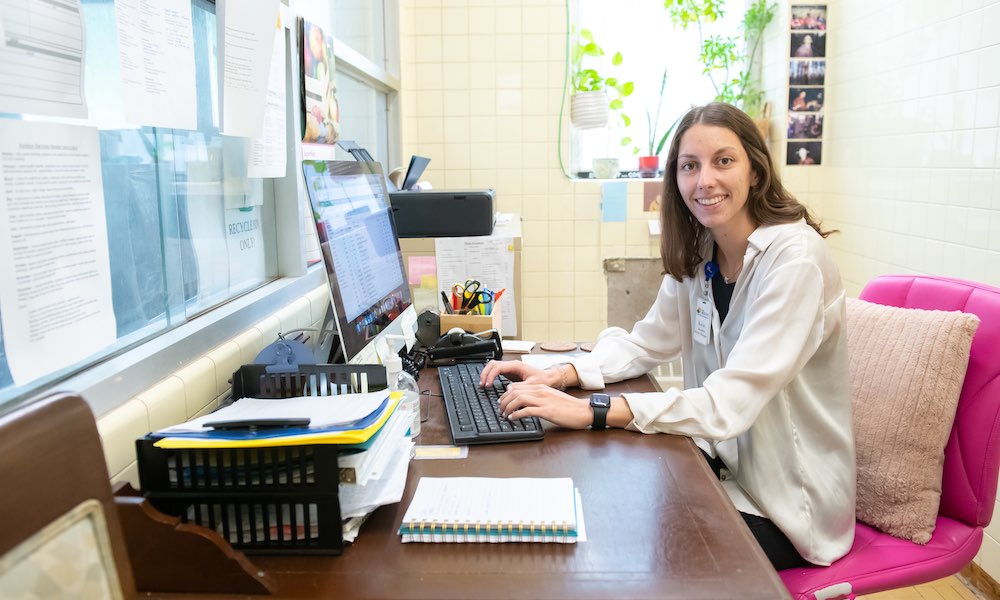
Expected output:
(536, 400)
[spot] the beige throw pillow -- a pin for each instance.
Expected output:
(907, 367)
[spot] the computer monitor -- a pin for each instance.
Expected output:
(357, 236)
(414, 171)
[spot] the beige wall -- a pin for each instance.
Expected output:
(482, 89)
(911, 166)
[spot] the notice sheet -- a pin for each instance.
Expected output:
(53, 248)
(41, 58)
(156, 50)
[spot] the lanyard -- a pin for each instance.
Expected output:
(711, 270)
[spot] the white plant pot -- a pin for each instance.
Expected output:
(588, 110)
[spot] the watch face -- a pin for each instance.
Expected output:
(600, 400)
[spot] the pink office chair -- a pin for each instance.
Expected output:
(878, 561)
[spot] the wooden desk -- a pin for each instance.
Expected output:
(658, 526)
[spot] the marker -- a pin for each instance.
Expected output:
(447, 305)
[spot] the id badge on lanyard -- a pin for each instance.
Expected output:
(703, 308)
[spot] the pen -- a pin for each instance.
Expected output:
(447, 304)
(499, 293)
(253, 424)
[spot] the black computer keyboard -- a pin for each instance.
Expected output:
(473, 411)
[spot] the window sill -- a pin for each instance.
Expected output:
(583, 176)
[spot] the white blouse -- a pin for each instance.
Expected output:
(767, 391)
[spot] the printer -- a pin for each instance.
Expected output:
(442, 213)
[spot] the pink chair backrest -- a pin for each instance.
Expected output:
(972, 455)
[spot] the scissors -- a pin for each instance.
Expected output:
(471, 294)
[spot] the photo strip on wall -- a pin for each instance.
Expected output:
(806, 81)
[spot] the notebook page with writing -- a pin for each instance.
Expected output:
(488, 509)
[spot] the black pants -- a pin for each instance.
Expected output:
(776, 546)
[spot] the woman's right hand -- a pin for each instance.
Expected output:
(516, 370)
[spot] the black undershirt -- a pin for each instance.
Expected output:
(721, 291)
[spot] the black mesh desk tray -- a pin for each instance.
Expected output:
(281, 500)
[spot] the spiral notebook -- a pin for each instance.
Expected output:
(493, 510)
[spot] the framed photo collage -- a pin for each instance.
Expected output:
(806, 81)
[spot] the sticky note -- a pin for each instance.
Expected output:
(440, 452)
(419, 267)
(613, 201)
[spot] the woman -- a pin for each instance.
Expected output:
(799, 102)
(805, 49)
(753, 303)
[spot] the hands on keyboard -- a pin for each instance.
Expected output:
(474, 411)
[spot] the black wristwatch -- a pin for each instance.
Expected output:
(600, 403)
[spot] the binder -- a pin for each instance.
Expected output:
(355, 434)
(493, 510)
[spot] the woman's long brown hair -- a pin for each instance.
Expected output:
(769, 203)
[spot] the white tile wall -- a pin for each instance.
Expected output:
(911, 166)
(910, 141)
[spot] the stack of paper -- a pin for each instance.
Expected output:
(375, 475)
(340, 419)
(518, 346)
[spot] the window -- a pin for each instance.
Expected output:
(363, 115)
(171, 196)
(366, 52)
(649, 43)
(168, 196)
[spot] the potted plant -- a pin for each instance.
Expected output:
(595, 96)
(649, 164)
(720, 55)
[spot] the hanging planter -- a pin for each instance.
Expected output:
(588, 110)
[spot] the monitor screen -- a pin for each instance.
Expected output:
(360, 248)
(414, 171)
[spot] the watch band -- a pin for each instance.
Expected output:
(600, 403)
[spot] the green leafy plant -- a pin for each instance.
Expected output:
(655, 144)
(586, 78)
(721, 55)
